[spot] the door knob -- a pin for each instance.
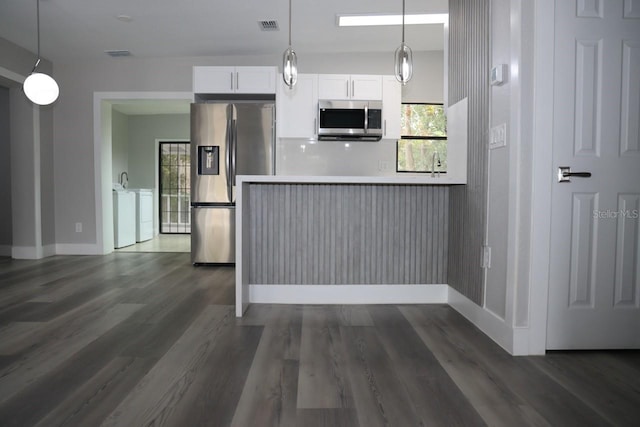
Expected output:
(565, 174)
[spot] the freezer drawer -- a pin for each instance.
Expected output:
(213, 234)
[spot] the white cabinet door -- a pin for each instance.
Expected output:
(234, 79)
(297, 108)
(366, 87)
(255, 80)
(344, 86)
(334, 86)
(391, 107)
(213, 79)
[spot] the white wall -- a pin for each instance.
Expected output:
(510, 214)
(119, 144)
(498, 214)
(31, 142)
(144, 130)
(74, 117)
(5, 175)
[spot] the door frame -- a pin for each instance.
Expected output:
(542, 174)
(103, 179)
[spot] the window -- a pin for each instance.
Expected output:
(424, 139)
(175, 191)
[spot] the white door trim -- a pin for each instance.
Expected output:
(542, 178)
(104, 217)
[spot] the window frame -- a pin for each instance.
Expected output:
(423, 137)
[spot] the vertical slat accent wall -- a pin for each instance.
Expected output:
(469, 67)
(348, 234)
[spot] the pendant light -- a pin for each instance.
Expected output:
(403, 58)
(40, 88)
(290, 61)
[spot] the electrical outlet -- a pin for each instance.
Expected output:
(486, 257)
(383, 166)
(78, 227)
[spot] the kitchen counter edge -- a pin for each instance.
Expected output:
(354, 179)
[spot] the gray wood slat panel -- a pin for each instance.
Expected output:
(348, 234)
(469, 65)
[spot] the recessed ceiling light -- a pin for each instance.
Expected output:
(124, 18)
(376, 20)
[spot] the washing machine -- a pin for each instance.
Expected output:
(144, 214)
(124, 218)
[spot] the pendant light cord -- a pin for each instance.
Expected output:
(403, 21)
(38, 34)
(289, 23)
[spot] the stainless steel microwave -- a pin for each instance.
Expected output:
(349, 120)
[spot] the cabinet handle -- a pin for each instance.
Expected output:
(385, 127)
(353, 88)
(347, 88)
(237, 80)
(231, 80)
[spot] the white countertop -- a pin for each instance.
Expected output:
(425, 179)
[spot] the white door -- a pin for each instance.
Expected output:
(594, 289)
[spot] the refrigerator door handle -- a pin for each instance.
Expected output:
(227, 159)
(234, 148)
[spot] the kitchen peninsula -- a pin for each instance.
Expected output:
(329, 239)
(355, 239)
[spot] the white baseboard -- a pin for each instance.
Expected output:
(78, 249)
(31, 252)
(348, 294)
(48, 250)
(25, 252)
(492, 325)
(5, 250)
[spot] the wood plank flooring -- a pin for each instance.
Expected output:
(141, 339)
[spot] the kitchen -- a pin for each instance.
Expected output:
(96, 82)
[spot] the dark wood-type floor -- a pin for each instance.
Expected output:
(139, 339)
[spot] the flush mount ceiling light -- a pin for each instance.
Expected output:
(40, 88)
(290, 61)
(403, 58)
(380, 20)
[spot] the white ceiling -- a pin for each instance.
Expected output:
(178, 28)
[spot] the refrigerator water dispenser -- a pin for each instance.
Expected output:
(208, 160)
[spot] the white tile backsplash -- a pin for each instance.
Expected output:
(342, 158)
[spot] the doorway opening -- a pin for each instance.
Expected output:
(174, 171)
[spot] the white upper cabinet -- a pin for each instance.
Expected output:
(297, 107)
(391, 107)
(234, 79)
(354, 86)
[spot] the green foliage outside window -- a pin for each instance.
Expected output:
(424, 133)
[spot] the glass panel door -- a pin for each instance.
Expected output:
(175, 188)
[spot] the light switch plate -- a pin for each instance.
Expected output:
(498, 136)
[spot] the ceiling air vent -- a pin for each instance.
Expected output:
(117, 53)
(269, 25)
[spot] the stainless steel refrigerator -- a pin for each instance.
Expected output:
(227, 139)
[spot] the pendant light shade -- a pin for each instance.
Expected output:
(403, 58)
(404, 63)
(290, 61)
(40, 88)
(290, 67)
